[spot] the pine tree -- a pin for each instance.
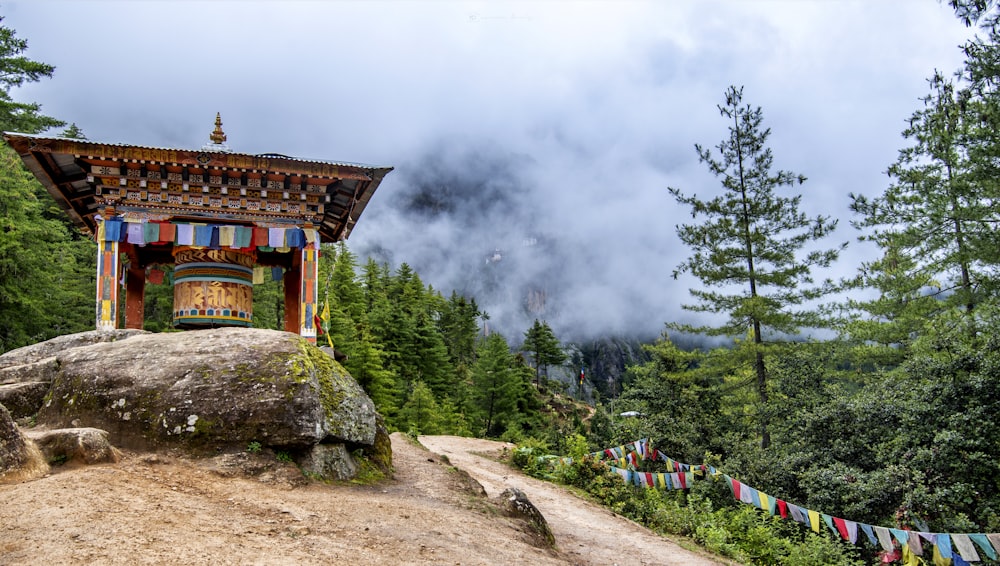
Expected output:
(367, 365)
(38, 296)
(459, 327)
(882, 328)
(16, 70)
(544, 347)
(345, 291)
(933, 211)
(421, 413)
(494, 382)
(751, 245)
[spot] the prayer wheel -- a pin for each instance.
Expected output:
(212, 287)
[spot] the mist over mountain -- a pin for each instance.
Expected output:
(484, 222)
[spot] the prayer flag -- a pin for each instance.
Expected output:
(276, 237)
(884, 538)
(943, 543)
(867, 529)
(202, 235)
(813, 520)
(227, 235)
(150, 232)
(134, 233)
(984, 544)
(965, 548)
(167, 232)
(260, 236)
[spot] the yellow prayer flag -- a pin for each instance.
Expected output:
(814, 520)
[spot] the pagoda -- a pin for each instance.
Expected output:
(219, 217)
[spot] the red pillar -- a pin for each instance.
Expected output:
(293, 294)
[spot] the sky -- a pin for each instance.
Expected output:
(533, 143)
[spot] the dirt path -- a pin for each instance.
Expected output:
(160, 510)
(585, 533)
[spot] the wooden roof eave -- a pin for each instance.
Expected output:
(44, 168)
(362, 197)
(40, 153)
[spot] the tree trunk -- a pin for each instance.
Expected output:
(765, 436)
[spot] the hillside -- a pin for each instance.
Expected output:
(156, 509)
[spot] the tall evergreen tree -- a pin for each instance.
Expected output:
(882, 328)
(39, 298)
(751, 245)
(934, 211)
(494, 382)
(366, 364)
(421, 413)
(15, 70)
(459, 324)
(544, 347)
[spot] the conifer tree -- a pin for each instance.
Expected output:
(544, 347)
(15, 70)
(459, 326)
(934, 211)
(421, 413)
(882, 328)
(366, 364)
(494, 382)
(750, 245)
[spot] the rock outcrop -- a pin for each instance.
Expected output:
(204, 392)
(27, 373)
(49, 348)
(81, 446)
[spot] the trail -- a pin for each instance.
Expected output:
(163, 509)
(585, 533)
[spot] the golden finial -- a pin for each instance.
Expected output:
(218, 137)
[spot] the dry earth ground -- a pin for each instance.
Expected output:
(156, 509)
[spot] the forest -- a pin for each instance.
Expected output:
(872, 398)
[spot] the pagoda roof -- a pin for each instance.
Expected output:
(86, 176)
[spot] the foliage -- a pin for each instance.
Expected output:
(933, 221)
(752, 244)
(544, 347)
(46, 265)
(421, 413)
(15, 70)
(706, 513)
(494, 385)
(46, 276)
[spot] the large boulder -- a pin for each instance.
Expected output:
(20, 458)
(210, 390)
(23, 399)
(26, 373)
(59, 344)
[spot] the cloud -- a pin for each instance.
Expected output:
(556, 124)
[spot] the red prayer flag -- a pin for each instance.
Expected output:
(841, 528)
(260, 236)
(167, 232)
